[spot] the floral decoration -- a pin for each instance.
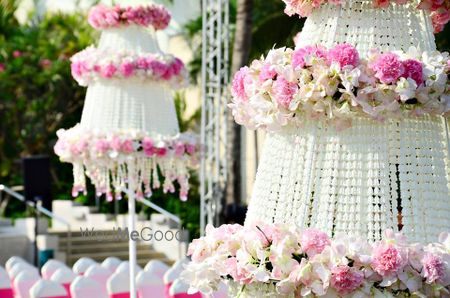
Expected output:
(335, 85)
(103, 17)
(104, 157)
(439, 10)
(93, 64)
(290, 262)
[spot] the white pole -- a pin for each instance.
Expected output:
(132, 226)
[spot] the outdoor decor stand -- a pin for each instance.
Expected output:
(128, 140)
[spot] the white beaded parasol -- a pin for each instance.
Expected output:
(371, 176)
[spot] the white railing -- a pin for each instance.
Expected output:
(42, 210)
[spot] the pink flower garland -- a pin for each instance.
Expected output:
(439, 9)
(92, 63)
(103, 17)
(335, 85)
(307, 262)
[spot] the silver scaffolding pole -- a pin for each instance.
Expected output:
(215, 74)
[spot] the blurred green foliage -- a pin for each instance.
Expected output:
(38, 96)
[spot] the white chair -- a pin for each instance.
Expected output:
(99, 274)
(19, 267)
(82, 265)
(84, 287)
(111, 263)
(179, 289)
(50, 267)
(125, 267)
(157, 267)
(12, 261)
(6, 290)
(23, 283)
(64, 276)
(173, 273)
(149, 285)
(48, 289)
(118, 285)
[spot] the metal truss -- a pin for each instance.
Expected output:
(215, 76)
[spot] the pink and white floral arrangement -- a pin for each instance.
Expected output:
(335, 85)
(93, 64)
(103, 17)
(439, 10)
(105, 155)
(267, 260)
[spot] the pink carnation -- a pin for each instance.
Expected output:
(109, 70)
(388, 68)
(127, 69)
(142, 63)
(158, 68)
(179, 149)
(345, 279)
(344, 54)
(440, 18)
(301, 7)
(314, 241)
(387, 259)
(299, 55)
(238, 86)
(284, 91)
(413, 70)
(433, 268)
(267, 72)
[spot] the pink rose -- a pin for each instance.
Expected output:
(388, 68)
(142, 63)
(314, 241)
(238, 86)
(190, 148)
(345, 279)
(267, 72)
(179, 149)
(109, 70)
(127, 146)
(116, 144)
(434, 268)
(387, 259)
(101, 146)
(158, 68)
(161, 152)
(299, 55)
(284, 91)
(344, 54)
(148, 147)
(127, 69)
(413, 70)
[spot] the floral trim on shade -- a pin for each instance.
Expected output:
(335, 85)
(439, 10)
(276, 260)
(105, 158)
(103, 17)
(93, 64)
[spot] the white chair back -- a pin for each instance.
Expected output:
(149, 284)
(84, 287)
(118, 284)
(99, 274)
(82, 265)
(64, 276)
(6, 290)
(23, 283)
(19, 267)
(125, 267)
(157, 267)
(47, 289)
(111, 263)
(50, 267)
(12, 261)
(179, 289)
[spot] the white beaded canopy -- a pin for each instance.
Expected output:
(372, 176)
